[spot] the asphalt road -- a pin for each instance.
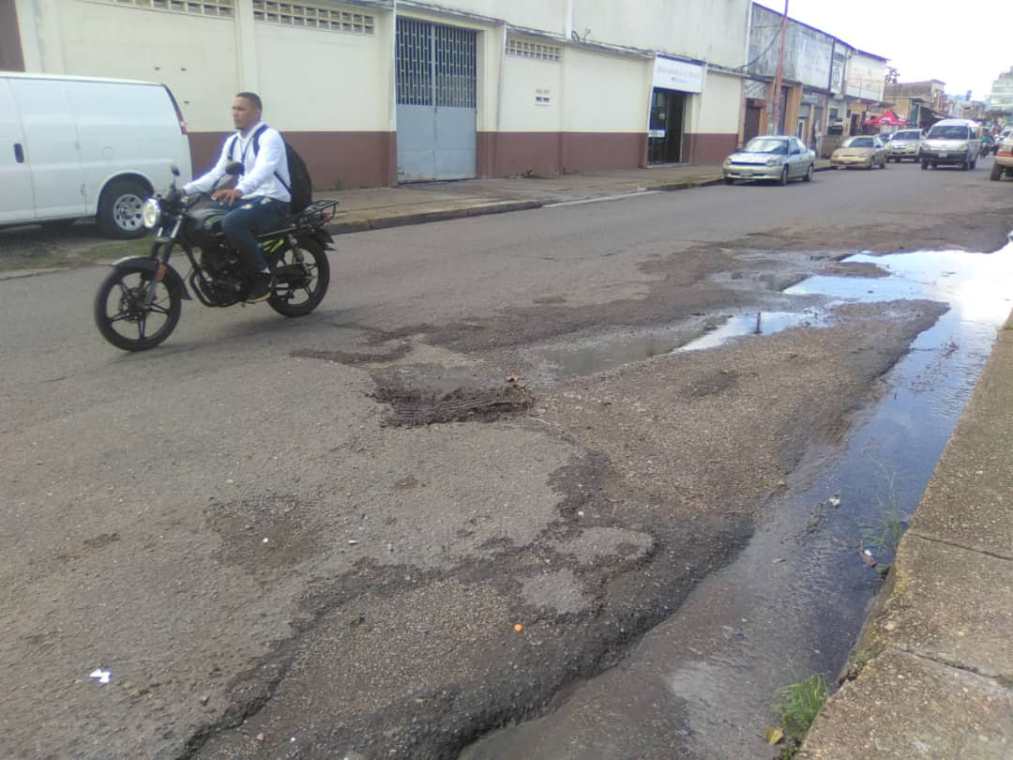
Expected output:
(269, 565)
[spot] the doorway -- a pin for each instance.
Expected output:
(436, 101)
(754, 117)
(664, 145)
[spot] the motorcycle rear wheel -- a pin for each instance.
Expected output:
(300, 286)
(124, 289)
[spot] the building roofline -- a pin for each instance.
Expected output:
(824, 32)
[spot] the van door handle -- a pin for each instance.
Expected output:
(19, 153)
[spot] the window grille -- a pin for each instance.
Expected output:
(201, 8)
(313, 17)
(524, 49)
(436, 65)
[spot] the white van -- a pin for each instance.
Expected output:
(72, 147)
(951, 141)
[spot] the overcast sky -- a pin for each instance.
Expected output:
(965, 44)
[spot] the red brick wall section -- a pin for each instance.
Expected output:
(342, 160)
(710, 149)
(11, 55)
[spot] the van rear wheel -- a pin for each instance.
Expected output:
(119, 209)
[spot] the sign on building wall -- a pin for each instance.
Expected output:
(670, 74)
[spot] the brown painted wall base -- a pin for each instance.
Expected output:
(335, 159)
(509, 154)
(710, 149)
(369, 159)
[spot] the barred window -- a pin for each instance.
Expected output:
(313, 16)
(201, 8)
(524, 49)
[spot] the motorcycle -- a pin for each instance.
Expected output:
(138, 304)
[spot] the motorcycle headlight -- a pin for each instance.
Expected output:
(151, 213)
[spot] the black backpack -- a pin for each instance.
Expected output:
(302, 186)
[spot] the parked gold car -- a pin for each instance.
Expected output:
(864, 151)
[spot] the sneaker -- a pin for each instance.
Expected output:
(261, 288)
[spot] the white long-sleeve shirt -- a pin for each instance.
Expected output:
(259, 173)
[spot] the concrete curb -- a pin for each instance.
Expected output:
(427, 217)
(932, 672)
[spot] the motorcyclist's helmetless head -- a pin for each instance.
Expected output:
(246, 110)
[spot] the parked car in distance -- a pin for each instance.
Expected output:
(73, 147)
(1003, 165)
(905, 145)
(864, 151)
(778, 158)
(953, 142)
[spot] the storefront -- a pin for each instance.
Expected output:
(674, 82)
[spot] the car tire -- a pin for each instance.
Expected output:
(784, 177)
(119, 209)
(996, 174)
(973, 164)
(810, 173)
(729, 181)
(925, 166)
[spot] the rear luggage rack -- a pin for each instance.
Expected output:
(317, 214)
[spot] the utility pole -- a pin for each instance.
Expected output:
(775, 93)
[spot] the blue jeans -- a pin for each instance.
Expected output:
(251, 217)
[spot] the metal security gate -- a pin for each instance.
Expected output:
(436, 101)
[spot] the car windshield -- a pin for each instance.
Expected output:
(908, 136)
(860, 142)
(767, 145)
(948, 133)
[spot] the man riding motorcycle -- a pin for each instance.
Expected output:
(260, 199)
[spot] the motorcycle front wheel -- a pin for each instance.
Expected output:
(301, 277)
(125, 319)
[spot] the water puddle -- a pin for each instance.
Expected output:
(760, 323)
(949, 276)
(701, 684)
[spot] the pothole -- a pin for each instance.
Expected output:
(428, 395)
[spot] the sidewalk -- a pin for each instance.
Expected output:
(935, 660)
(377, 208)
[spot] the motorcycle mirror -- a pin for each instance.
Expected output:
(234, 169)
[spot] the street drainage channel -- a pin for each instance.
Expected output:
(702, 683)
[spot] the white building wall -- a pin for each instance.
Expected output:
(524, 82)
(322, 84)
(866, 77)
(718, 110)
(543, 15)
(323, 80)
(195, 55)
(710, 30)
(605, 93)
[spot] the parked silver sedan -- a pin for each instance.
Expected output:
(905, 144)
(777, 158)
